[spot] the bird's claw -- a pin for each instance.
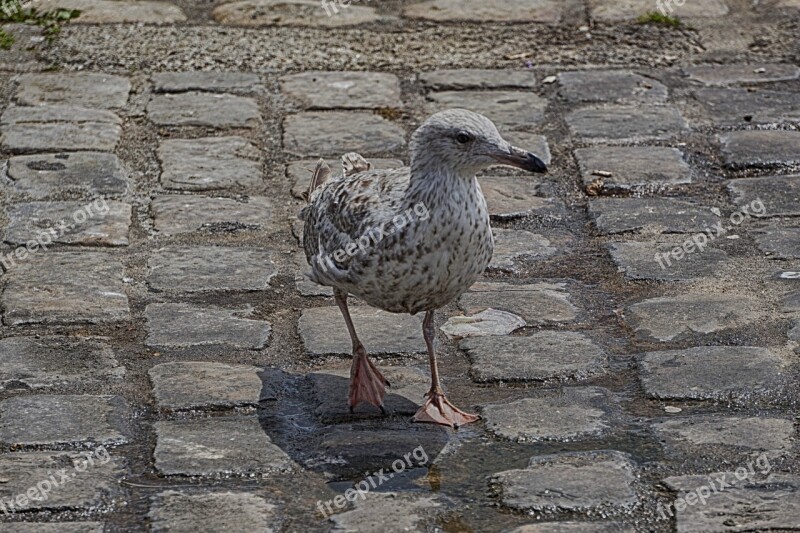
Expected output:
(437, 409)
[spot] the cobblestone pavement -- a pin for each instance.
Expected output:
(633, 347)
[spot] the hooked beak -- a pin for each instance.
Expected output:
(517, 157)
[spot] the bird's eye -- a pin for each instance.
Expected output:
(463, 138)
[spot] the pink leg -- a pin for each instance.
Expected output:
(367, 384)
(437, 408)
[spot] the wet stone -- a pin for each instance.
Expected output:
(537, 304)
(544, 356)
(779, 243)
(51, 361)
(576, 481)
(350, 450)
(45, 419)
(644, 168)
(192, 385)
(487, 322)
(210, 268)
(99, 91)
(96, 487)
(343, 90)
(219, 445)
(299, 172)
(650, 215)
(404, 397)
(547, 11)
(640, 260)
(779, 194)
(465, 79)
(388, 513)
(213, 82)
(626, 123)
(570, 414)
(771, 504)
(177, 512)
(734, 74)
(507, 109)
(261, 13)
(323, 331)
(211, 163)
(58, 127)
(87, 224)
(335, 133)
(746, 106)
(513, 245)
(86, 174)
(116, 12)
(65, 288)
(573, 527)
(730, 373)
(511, 197)
(184, 325)
(618, 10)
(176, 214)
(668, 318)
(620, 86)
(753, 433)
(51, 527)
(204, 109)
(744, 149)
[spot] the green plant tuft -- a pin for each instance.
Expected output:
(49, 21)
(656, 17)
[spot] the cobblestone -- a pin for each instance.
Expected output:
(214, 82)
(474, 10)
(87, 89)
(66, 288)
(507, 109)
(610, 10)
(46, 420)
(213, 446)
(207, 164)
(779, 243)
(668, 318)
(754, 433)
(58, 127)
(620, 86)
(746, 106)
(633, 167)
(51, 361)
(638, 260)
(736, 74)
(115, 12)
(626, 123)
(107, 225)
(567, 415)
(547, 355)
(96, 487)
(178, 512)
(510, 197)
(83, 174)
(571, 482)
(334, 133)
(732, 373)
(176, 214)
(183, 325)
(204, 109)
(343, 90)
(322, 331)
(210, 268)
(511, 246)
(389, 512)
(779, 194)
(195, 384)
(650, 215)
(260, 13)
(483, 79)
(537, 304)
(760, 148)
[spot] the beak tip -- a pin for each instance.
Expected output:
(536, 165)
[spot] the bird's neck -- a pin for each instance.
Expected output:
(434, 184)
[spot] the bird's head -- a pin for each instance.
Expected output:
(466, 143)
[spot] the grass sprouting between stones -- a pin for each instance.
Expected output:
(13, 11)
(656, 17)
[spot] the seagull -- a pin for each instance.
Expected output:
(408, 240)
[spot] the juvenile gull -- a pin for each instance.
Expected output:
(423, 265)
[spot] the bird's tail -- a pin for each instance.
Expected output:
(320, 175)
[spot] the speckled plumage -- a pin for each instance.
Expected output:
(410, 239)
(418, 267)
